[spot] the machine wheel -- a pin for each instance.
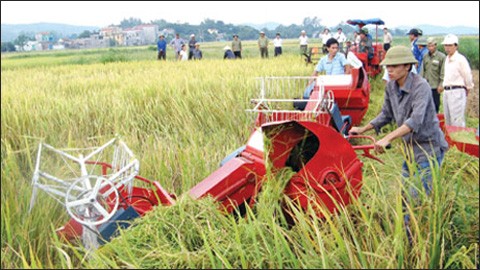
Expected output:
(87, 203)
(328, 101)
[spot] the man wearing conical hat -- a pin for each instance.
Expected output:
(408, 103)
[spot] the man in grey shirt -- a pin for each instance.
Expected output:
(408, 101)
(177, 43)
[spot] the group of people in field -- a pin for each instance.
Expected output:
(180, 47)
(193, 51)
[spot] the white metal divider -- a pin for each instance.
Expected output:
(79, 180)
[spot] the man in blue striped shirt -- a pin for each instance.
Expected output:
(333, 63)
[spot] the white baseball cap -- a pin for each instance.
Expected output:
(450, 39)
(192, 35)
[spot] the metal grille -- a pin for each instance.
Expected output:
(278, 95)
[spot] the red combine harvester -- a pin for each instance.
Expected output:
(372, 66)
(468, 146)
(309, 136)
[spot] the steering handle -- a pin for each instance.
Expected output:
(366, 148)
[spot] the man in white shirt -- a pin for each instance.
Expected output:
(387, 39)
(277, 43)
(341, 38)
(303, 42)
(456, 83)
(325, 37)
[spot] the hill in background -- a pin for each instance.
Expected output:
(11, 31)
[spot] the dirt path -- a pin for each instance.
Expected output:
(472, 101)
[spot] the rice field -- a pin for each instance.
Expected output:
(181, 119)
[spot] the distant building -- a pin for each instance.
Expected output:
(132, 37)
(113, 33)
(44, 37)
(94, 41)
(32, 46)
(46, 40)
(149, 33)
(144, 34)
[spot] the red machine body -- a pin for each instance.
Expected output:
(353, 95)
(469, 148)
(328, 173)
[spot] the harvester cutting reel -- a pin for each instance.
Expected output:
(73, 178)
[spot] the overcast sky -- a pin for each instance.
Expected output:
(102, 13)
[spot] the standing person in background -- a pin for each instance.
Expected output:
(237, 47)
(263, 45)
(422, 48)
(277, 43)
(303, 39)
(413, 35)
(387, 39)
(197, 53)
(456, 83)
(162, 48)
(433, 70)
(177, 43)
(325, 37)
(191, 46)
(341, 38)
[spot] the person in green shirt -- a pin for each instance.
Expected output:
(263, 45)
(237, 47)
(432, 69)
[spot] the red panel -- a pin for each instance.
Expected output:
(469, 148)
(233, 183)
(70, 231)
